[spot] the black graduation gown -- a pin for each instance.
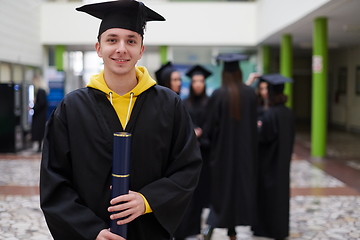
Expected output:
(39, 117)
(233, 159)
(276, 139)
(77, 159)
(191, 223)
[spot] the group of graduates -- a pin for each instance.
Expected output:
(246, 139)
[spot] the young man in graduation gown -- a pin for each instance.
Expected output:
(76, 163)
(232, 132)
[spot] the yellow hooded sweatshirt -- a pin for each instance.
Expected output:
(121, 103)
(124, 104)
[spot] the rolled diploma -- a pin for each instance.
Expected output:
(120, 174)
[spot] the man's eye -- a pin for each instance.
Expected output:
(111, 40)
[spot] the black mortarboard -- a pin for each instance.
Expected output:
(163, 73)
(231, 60)
(275, 78)
(198, 70)
(127, 14)
(276, 81)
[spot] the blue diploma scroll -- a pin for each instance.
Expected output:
(120, 174)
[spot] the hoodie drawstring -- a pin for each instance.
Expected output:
(129, 108)
(110, 94)
(128, 113)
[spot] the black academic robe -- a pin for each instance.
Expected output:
(233, 159)
(276, 139)
(197, 109)
(77, 160)
(39, 117)
(191, 223)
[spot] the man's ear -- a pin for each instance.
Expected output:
(97, 48)
(142, 51)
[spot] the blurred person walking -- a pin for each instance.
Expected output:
(40, 111)
(196, 104)
(232, 132)
(276, 128)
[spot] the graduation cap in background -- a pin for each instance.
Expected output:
(163, 73)
(275, 78)
(231, 60)
(198, 70)
(127, 14)
(276, 81)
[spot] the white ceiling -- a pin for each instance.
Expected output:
(343, 26)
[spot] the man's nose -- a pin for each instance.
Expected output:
(121, 47)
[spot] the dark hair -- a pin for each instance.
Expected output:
(232, 81)
(278, 98)
(276, 95)
(166, 77)
(260, 100)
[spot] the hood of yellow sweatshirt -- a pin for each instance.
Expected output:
(144, 82)
(124, 104)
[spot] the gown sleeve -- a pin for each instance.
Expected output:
(170, 195)
(66, 216)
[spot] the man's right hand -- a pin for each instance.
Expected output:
(105, 234)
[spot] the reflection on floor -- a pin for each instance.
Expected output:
(325, 202)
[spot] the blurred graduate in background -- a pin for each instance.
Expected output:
(232, 132)
(276, 127)
(169, 77)
(196, 104)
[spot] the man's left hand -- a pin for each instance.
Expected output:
(132, 205)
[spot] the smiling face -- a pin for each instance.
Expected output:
(120, 50)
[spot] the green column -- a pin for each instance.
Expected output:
(319, 88)
(266, 59)
(163, 54)
(286, 66)
(59, 52)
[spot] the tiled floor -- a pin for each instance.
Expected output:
(325, 202)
